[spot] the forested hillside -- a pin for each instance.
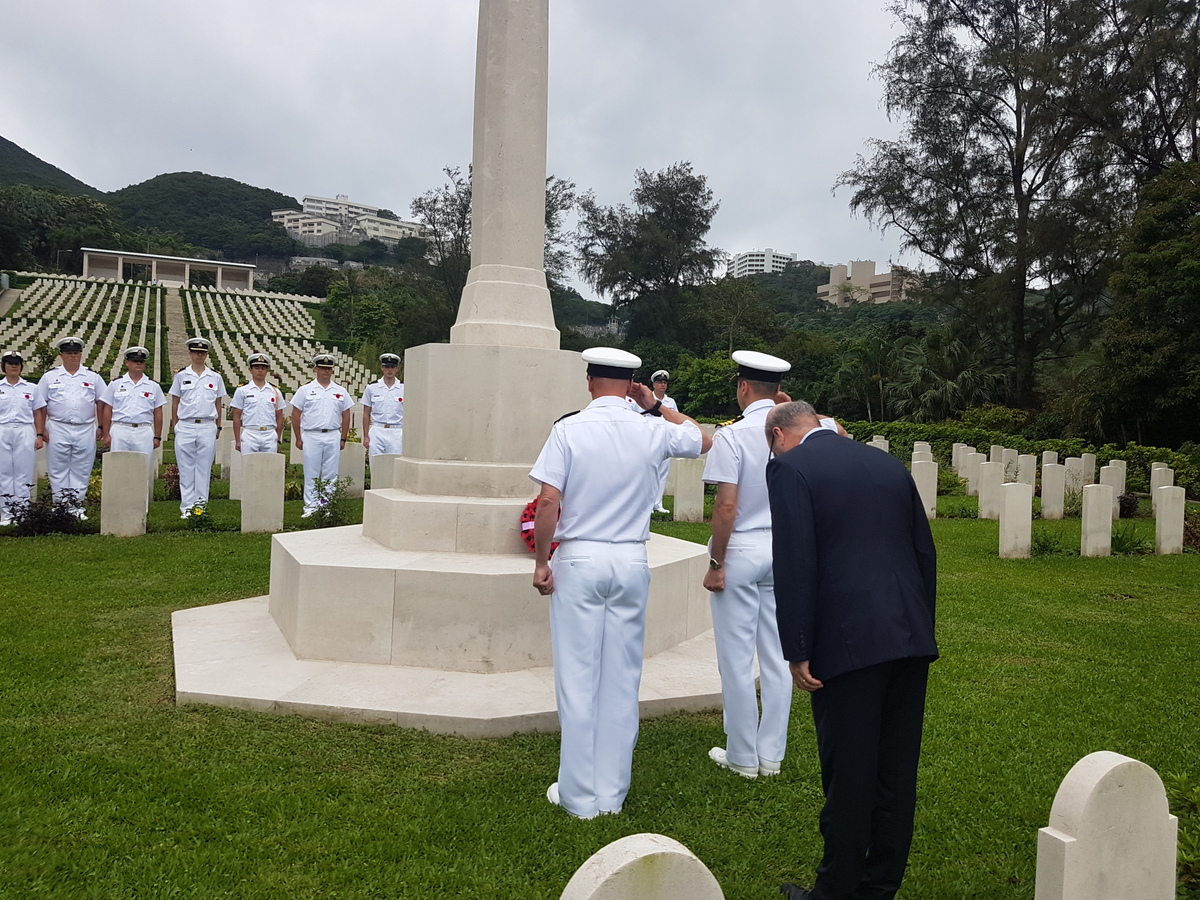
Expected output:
(19, 166)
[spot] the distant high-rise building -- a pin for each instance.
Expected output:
(323, 222)
(859, 284)
(756, 262)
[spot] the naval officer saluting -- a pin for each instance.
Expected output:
(69, 395)
(741, 580)
(598, 473)
(131, 410)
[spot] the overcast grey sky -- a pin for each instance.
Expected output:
(770, 99)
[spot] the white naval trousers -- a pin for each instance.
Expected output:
(17, 461)
(664, 469)
(386, 439)
(195, 448)
(597, 632)
(322, 453)
(256, 441)
(70, 455)
(743, 621)
(139, 440)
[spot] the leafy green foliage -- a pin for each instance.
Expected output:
(333, 506)
(36, 224)
(1129, 540)
(45, 515)
(217, 213)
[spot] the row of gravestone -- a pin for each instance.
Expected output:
(1111, 837)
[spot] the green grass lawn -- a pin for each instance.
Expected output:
(108, 790)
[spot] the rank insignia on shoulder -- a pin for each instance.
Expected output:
(737, 418)
(566, 416)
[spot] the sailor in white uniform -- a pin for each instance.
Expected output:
(18, 439)
(320, 423)
(598, 472)
(741, 580)
(131, 410)
(383, 409)
(197, 396)
(659, 382)
(257, 410)
(70, 394)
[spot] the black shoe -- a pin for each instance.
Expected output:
(792, 892)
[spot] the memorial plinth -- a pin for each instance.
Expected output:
(426, 615)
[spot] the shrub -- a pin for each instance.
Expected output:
(1191, 528)
(1126, 541)
(1183, 797)
(171, 481)
(959, 508)
(94, 488)
(950, 484)
(293, 490)
(1072, 504)
(199, 519)
(46, 515)
(332, 506)
(1044, 542)
(1129, 505)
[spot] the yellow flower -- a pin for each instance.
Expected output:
(198, 511)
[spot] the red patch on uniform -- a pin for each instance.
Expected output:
(272, 399)
(145, 393)
(399, 399)
(338, 396)
(28, 396)
(85, 384)
(210, 384)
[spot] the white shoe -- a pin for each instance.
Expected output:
(552, 796)
(661, 509)
(81, 516)
(183, 515)
(306, 514)
(717, 755)
(768, 768)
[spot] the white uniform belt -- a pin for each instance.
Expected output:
(16, 424)
(134, 424)
(319, 430)
(587, 541)
(261, 427)
(69, 422)
(386, 424)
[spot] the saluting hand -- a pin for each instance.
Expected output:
(642, 395)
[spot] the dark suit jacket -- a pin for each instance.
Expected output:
(855, 565)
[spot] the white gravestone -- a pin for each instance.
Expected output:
(1016, 520)
(1120, 465)
(352, 464)
(1054, 478)
(1157, 465)
(922, 456)
(1096, 534)
(973, 462)
(224, 445)
(1089, 468)
(689, 490)
(925, 474)
(879, 443)
(1027, 469)
(1168, 520)
(1049, 458)
(383, 470)
(235, 474)
(1074, 474)
(1111, 476)
(643, 867)
(1009, 458)
(1111, 835)
(123, 493)
(922, 447)
(991, 477)
(957, 453)
(1160, 476)
(996, 453)
(262, 492)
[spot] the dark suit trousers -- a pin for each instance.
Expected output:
(869, 741)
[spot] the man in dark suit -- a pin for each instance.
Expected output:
(855, 579)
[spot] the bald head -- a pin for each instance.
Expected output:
(788, 423)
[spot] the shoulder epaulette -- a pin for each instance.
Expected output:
(567, 416)
(737, 418)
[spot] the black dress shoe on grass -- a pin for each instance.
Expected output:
(792, 892)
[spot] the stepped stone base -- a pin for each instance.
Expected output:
(233, 655)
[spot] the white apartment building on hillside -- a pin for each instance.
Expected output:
(756, 262)
(858, 283)
(340, 209)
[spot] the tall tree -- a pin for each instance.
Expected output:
(647, 255)
(996, 175)
(446, 212)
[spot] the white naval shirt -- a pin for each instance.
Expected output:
(18, 401)
(198, 394)
(321, 407)
(71, 398)
(739, 455)
(133, 402)
(386, 403)
(604, 459)
(258, 404)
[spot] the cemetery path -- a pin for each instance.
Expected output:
(177, 336)
(7, 299)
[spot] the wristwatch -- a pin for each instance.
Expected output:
(713, 564)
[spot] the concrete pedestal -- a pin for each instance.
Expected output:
(1016, 520)
(123, 493)
(1096, 536)
(383, 470)
(352, 465)
(262, 493)
(925, 474)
